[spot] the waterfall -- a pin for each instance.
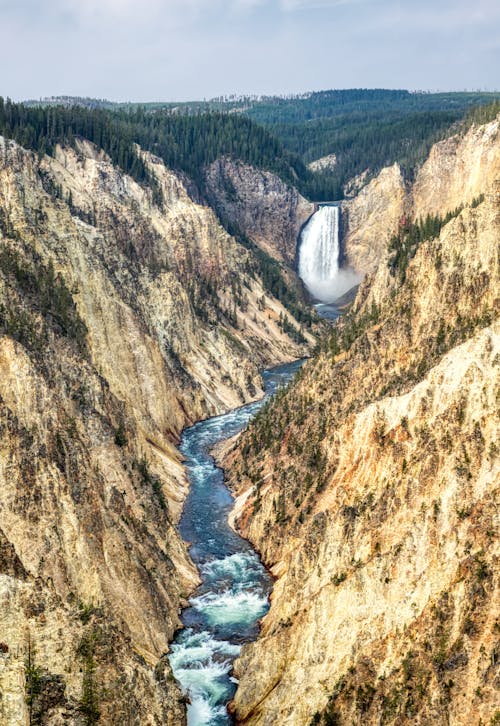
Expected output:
(319, 256)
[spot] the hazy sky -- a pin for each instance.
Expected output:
(185, 49)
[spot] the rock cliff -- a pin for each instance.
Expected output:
(371, 484)
(457, 170)
(122, 319)
(326, 163)
(370, 219)
(260, 204)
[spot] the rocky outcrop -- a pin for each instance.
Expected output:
(388, 607)
(90, 596)
(260, 205)
(370, 487)
(355, 185)
(326, 163)
(122, 319)
(371, 218)
(457, 171)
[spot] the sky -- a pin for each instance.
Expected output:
(193, 49)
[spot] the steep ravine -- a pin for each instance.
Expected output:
(123, 320)
(371, 488)
(233, 594)
(120, 323)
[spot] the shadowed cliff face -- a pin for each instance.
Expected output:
(371, 488)
(259, 204)
(120, 322)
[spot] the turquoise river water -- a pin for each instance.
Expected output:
(225, 610)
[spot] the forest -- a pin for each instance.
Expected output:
(366, 129)
(186, 143)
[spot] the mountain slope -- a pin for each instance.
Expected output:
(457, 171)
(371, 488)
(260, 205)
(121, 321)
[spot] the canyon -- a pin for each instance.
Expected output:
(124, 320)
(369, 486)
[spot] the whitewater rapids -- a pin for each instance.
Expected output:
(224, 612)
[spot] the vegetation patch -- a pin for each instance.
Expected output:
(37, 290)
(88, 705)
(44, 691)
(403, 245)
(150, 479)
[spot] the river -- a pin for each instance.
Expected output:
(225, 610)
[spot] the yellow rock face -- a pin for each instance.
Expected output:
(371, 218)
(379, 513)
(456, 172)
(174, 325)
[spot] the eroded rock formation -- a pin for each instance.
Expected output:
(259, 204)
(457, 171)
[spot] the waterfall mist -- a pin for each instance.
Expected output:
(319, 257)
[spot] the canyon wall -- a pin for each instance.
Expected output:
(122, 319)
(270, 212)
(457, 170)
(370, 486)
(371, 218)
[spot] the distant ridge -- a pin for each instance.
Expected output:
(365, 129)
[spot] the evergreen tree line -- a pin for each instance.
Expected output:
(187, 143)
(360, 145)
(359, 101)
(404, 245)
(365, 129)
(482, 114)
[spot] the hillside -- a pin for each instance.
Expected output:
(146, 277)
(370, 485)
(126, 312)
(187, 143)
(366, 130)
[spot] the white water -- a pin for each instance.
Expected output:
(241, 567)
(202, 665)
(230, 607)
(319, 257)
